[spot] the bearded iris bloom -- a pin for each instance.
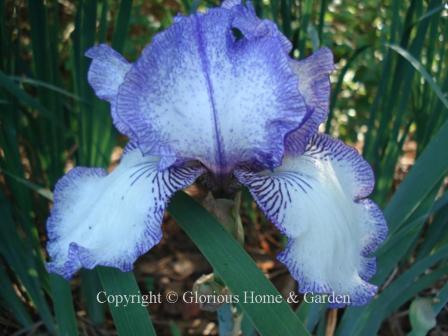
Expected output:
(217, 95)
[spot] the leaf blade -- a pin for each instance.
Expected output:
(234, 267)
(134, 318)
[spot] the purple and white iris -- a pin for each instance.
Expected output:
(217, 94)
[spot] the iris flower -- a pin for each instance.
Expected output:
(217, 95)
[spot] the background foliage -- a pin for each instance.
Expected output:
(388, 99)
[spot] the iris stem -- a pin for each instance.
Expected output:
(227, 211)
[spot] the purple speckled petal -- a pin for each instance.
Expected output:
(111, 219)
(318, 200)
(314, 85)
(106, 74)
(198, 92)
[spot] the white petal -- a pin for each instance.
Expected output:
(317, 200)
(111, 219)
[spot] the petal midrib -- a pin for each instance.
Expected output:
(220, 160)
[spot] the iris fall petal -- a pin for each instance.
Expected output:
(318, 200)
(111, 219)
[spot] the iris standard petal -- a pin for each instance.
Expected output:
(251, 26)
(228, 4)
(314, 85)
(318, 200)
(111, 219)
(106, 73)
(200, 92)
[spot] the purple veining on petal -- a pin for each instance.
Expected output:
(334, 149)
(83, 233)
(273, 193)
